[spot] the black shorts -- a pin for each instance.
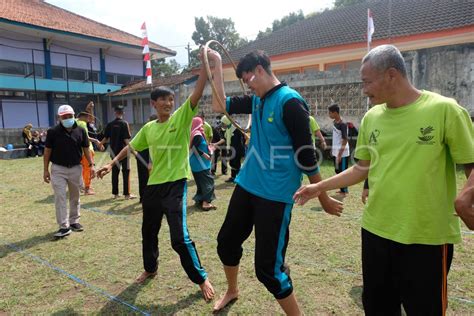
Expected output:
(271, 220)
(396, 274)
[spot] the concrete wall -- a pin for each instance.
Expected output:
(11, 136)
(447, 70)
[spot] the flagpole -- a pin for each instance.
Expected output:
(370, 31)
(370, 28)
(146, 53)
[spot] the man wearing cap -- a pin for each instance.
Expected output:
(64, 146)
(118, 134)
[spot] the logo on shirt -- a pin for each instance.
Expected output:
(373, 137)
(270, 118)
(426, 138)
(172, 128)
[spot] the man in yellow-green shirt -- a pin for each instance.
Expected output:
(408, 145)
(168, 141)
(316, 132)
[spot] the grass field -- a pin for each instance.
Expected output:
(93, 272)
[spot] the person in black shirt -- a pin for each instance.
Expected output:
(217, 143)
(92, 129)
(117, 133)
(64, 146)
(235, 142)
(27, 140)
(144, 165)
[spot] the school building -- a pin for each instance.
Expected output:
(50, 56)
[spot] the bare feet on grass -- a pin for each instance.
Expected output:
(228, 297)
(207, 290)
(144, 276)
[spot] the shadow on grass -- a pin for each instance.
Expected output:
(66, 312)
(129, 295)
(226, 309)
(224, 185)
(356, 294)
(5, 250)
(316, 209)
(115, 206)
(47, 200)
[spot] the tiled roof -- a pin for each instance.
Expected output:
(349, 25)
(42, 14)
(141, 86)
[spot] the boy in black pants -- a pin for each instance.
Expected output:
(168, 142)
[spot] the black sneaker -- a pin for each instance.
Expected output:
(62, 232)
(77, 227)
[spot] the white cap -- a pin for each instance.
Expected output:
(65, 109)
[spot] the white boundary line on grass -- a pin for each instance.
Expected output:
(75, 278)
(339, 270)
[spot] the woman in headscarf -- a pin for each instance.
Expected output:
(200, 161)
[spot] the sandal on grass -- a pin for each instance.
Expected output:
(208, 208)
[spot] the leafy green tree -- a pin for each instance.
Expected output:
(214, 28)
(162, 68)
(285, 21)
(346, 3)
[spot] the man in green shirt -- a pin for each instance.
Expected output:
(168, 142)
(316, 132)
(408, 146)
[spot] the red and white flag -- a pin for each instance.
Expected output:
(146, 53)
(370, 27)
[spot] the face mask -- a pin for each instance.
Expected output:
(68, 123)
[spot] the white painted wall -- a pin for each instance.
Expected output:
(19, 48)
(18, 113)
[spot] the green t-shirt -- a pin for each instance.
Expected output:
(413, 151)
(208, 132)
(313, 126)
(84, 126)
(168, 143)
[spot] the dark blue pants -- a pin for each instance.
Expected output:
(343, 165)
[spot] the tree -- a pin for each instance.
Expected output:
(346, 3)
(285, 21)
(161, 68)
(214, 28)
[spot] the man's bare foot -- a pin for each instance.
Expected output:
(207, 290)
(145, 275)
(225, 300)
